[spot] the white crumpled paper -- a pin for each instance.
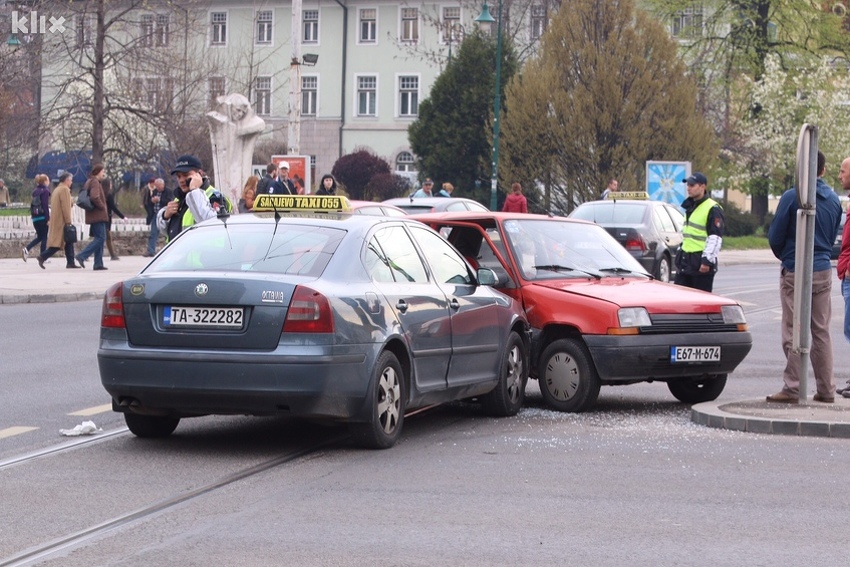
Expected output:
(85, 428)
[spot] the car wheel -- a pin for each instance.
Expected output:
(567, 376)
(662, 271)
(387, 406)
(151, 426)
(508, 395)
(697, 390)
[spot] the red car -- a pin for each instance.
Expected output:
(597, 316)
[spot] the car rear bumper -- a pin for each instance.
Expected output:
(321, 382)
(639, 358)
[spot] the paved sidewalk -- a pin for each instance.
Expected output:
(814, 419)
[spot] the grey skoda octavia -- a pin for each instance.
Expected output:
(338, 316)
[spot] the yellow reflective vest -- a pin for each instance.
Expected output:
(695, 232)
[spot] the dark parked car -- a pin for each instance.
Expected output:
(650, 230)
(334, 316)
(435, 204)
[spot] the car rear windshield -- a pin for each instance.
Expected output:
(611, 213)
(297, 249)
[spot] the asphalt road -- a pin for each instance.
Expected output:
(633, 482)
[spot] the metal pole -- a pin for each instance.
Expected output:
(294, 126)
(494, 180)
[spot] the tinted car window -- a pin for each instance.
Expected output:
(376, 263)
(663, 220)
(291, 249)
(446, 263)
(400, 255)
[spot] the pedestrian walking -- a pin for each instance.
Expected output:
(97, 218)
(60, 203)
(696, 262)
(111, 208)
(782, 236)
(159, 196)
(40, 215)
(843, 267)
(516, 201)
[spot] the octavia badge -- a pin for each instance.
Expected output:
(201, 289)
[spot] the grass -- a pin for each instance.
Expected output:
(745, 242)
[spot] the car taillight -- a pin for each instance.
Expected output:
(112, 314)
(309, 312)
(635, 243)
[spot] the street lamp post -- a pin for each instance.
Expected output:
(485, 17)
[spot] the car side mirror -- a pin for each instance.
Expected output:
(486, 276)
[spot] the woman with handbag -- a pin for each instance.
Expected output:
(40, 213)
(61, 224)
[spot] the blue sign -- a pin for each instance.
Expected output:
(664, 180)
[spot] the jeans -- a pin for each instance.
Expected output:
(153, 238)
(40, 235)
(95, 247)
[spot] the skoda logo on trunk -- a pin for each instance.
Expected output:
(201, 289)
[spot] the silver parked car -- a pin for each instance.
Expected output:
(339, 316)
(416, 205)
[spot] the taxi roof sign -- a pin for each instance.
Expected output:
(633, 195)
(301, 203)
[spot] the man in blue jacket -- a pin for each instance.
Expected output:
(783, 241)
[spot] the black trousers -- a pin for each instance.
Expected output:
(69, 253)
(704, 282)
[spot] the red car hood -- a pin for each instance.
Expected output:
(656, 297)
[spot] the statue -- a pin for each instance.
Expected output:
(233, 130)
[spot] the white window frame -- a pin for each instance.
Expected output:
(313, 24)
(147, 26)
(404, 30)
(539, 21)
(402, 90)
(374, 97)
(162, 30)
(258, 109)
(211, 95)
(264, 29)
(155, 93)
(450, 24)
(312, 93)
(405, 165)
(220, 24)
(688, 23)
(374, 27)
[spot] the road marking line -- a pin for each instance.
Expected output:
(93, 411)
(11, 431)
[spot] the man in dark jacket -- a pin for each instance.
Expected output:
(783, 241)
(158, 199)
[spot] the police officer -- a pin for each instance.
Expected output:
(696, 262)
(195, 201)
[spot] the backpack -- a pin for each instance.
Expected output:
(36, 210)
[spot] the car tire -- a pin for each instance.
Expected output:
(697, 390)
(509, 394)
(567, 376)
(387, 405)
(662, 270)
(151, 426)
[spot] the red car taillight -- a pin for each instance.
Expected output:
(112, 314)
(635, 243)
(309, 312)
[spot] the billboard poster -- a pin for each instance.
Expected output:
(664, 180)
(299, 171)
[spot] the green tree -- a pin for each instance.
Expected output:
(606, 94)
(452, 138)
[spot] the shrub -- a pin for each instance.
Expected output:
(739, 223)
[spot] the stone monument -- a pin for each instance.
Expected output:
(233, 131)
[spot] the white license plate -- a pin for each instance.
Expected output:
(694, 354)
(215, 317)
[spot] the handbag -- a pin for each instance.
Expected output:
(84, 201)
(70, 234)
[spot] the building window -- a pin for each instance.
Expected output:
(154, 92)
(263, 96)
(219, 28)
(368, 25)
(408, 92)
(216, 87)
(83, 31)
(538, 21)
(451, 24)
(688, 22)
(367, 94)
(309, 95)
(405, 163)
(264, 26)
(161, 33)
(311, 26)
(146, 39)
(410, 24)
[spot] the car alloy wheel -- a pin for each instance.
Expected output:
(387, 406)
(508, 395)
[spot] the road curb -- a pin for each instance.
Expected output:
(713, 414)
(49, 298)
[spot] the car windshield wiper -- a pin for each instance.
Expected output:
(619, 270)
(559, 268)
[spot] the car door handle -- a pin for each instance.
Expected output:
(454, 304)
(401, 305)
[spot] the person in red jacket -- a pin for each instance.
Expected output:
(515, 202)
(843, 266)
